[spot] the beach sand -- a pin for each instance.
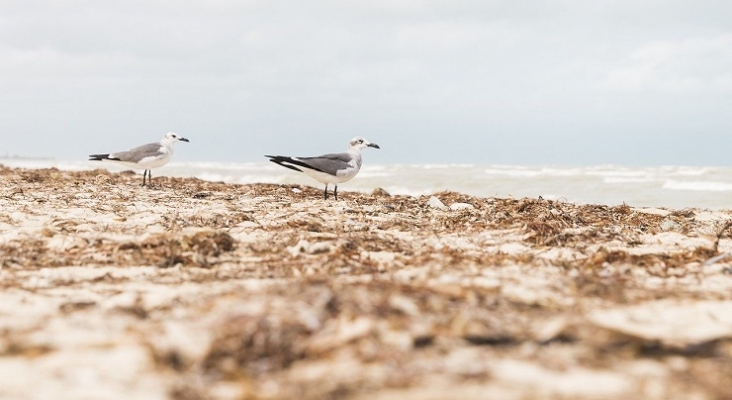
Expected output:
(195, 289)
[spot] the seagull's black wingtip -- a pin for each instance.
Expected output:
(98, 157)
(284, 161)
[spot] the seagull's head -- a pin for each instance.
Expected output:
(174, 137)
(360, 143)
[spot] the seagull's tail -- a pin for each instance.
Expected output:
(285, 162)
(100, 157)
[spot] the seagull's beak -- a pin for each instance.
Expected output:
(374, 145)
(184, 139)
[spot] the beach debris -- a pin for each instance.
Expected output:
(380, 192)
(209, 243)
(319, 247)
(261, 291)
(669, 224)
(202, 195)
(300, 247)
(570, 382)
(678, 325)
(304, 246)
(461, 206)
(717, 259)
(720, 234)
(434, 202)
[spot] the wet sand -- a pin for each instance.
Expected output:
(194, 289)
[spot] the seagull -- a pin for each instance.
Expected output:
(147, 156)
(332, 168)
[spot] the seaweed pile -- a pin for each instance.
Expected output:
(267, 291)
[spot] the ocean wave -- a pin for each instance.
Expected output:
(238, 178)
(377, 167)
(442, 166)
(622, 179)
(376, 170)
(685, 171)
(519, 172)
(226, 166)
(698, 186)
(369, 174)
(620, 173)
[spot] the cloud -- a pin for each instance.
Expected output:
(286, 72)
(686, 66)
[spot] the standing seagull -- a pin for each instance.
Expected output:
(148, 156)
(329, 168)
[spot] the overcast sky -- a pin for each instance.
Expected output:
(475, 81)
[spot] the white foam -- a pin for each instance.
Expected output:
(369, 167)
(617, 179)
(228, 166)
(532, 172)
(692, 171)
(619, 173)
(685, 171)
(370, 174)
(444, 166)
(517, 172)
(698, 186)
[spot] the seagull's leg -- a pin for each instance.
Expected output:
(149, 177)
(335, 192)
(144, 173)
(325, 192)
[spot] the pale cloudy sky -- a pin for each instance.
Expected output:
(475, 81)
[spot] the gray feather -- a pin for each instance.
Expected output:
(329, 163)
(138, 153)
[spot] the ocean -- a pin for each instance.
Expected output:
(660, 186)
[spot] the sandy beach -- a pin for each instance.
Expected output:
(201, 290)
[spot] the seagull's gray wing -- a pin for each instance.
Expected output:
(138, 153)
(328, 163)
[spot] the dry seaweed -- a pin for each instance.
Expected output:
(372, 295)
